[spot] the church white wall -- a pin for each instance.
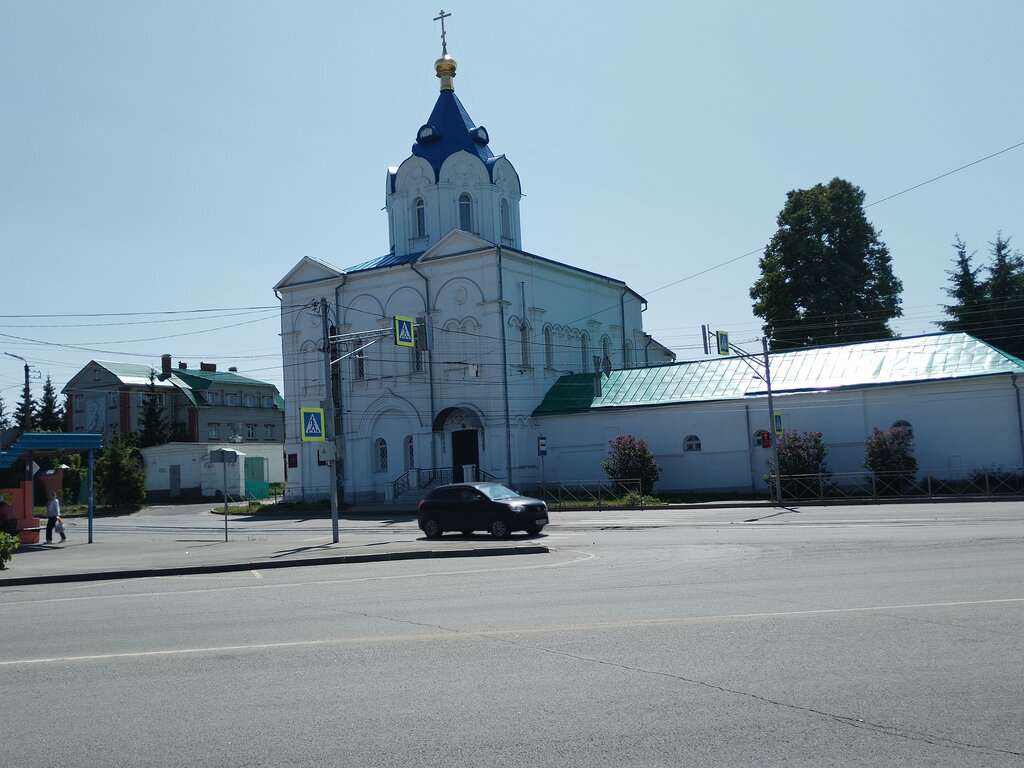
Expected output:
(958, 426)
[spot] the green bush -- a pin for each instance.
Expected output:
(631, 459)
(8, 544)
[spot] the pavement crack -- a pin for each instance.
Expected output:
(852, 722)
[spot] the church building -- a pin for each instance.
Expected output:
(496, 327)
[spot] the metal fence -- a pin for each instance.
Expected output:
(898, 485)
(621, 494)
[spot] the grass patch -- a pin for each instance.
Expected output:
(82, 510)
(291, 508)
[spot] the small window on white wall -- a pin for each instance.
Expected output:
(584, 353)
(506, 221)
(465, 213)
(691, 443)
(524, 344)
(549, 348)
(380, 455)
(420, 211)
(903, 424)
(628, 355)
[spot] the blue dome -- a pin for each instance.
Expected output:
(448, 130)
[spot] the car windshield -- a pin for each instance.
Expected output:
(498, 492)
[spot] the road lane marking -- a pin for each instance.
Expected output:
(583, 556)
(446, 634)
(257, 574)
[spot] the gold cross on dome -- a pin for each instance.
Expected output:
(444, 44)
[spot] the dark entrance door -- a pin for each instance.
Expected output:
(465, 450)
(175, 479)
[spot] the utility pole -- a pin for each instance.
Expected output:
(26, 416)
(724, 347)
(771, 417)
(330, 438)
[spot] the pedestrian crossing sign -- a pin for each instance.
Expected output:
(312, 424)
(405, 335)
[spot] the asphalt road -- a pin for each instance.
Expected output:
(852, 636)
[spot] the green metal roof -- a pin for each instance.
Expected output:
(933, 357)
(190, 382)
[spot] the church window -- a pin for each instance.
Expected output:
(628, 355)
(421, 217)
(360, 360)
(585, 353)
(903, 424)
(549, 348)
(524, 343)
(506, 221)
(380, 455)
(410, 456)
(691, 443)
(606, 349)
(465, 213)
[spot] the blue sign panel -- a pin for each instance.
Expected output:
(312, 424)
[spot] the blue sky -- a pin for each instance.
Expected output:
(165, 163)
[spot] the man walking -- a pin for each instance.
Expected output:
(52, 514)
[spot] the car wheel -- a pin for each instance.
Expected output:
(499, 529)
(432, 528)
(534, 530)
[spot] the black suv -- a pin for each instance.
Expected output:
(469, 507)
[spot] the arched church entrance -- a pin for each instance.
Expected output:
(460, 430)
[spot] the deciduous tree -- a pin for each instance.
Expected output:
(826, 277)
(119, 473)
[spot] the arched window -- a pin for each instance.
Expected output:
(465, 213)
(903, 424)
(549, 348)
(380, 455)
(606, 348)
(360, 360)
(410, 456)
(691, 443)
(762, 439)
(524, 343)
(421, 217)
(628, 355)
(506, 220)
(585, 353)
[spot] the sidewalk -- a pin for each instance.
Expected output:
(76, 560)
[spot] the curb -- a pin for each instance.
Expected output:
(256, 565)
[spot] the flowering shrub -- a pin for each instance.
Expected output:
(889, 452)
(631, 459)
(802, 453)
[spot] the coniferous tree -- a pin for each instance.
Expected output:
(155, 426)
(989, 306)
(5, 421)
(51, 414)
(826, 277)
(967, 291)
(25, 413)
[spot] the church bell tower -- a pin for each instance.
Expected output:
(452, 180)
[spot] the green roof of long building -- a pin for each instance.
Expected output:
(932, 357)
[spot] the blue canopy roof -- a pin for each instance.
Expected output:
(49, 442)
